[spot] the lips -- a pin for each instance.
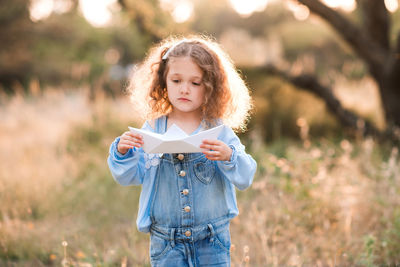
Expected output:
(183, 99)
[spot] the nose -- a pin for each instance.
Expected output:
(184, 88)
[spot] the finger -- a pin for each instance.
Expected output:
(126, 146)
(131, 143)
(211, 142)
(211, 147)
(139, 141)
(132, 139)
(212, 153)
(123, 147)
(206, 147)
(213, 158)
(134, 135)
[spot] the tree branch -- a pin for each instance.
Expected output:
(365, 47)
(311, 84)
(390, 92)
(376, 21)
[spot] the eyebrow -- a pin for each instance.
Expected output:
(179, 74)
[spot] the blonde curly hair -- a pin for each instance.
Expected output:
(226, 95)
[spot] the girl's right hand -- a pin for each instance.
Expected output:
(129, 140)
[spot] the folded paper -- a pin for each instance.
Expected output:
(175, 140)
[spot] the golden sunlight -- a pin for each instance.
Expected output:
(246, 7)
(346, 5)
(300, 12)
(97, 12)
(392, 5)
(183, 11)
(180, 10)
(350, 5)
(40, 9)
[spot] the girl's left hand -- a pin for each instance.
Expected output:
(216, 150)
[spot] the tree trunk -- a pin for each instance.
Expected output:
(371, 41)
(390, 89)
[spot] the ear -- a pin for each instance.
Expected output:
(205, 100)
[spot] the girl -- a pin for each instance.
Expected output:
(187, 199)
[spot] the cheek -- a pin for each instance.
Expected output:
(170, 88)
(170, 93)
(201, 92)
(202, 95)
(200, 98)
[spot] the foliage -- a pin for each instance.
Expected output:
(15, 33)
(63, 49)
(279, 106)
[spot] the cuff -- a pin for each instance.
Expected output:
(118, 155)
(233, 158)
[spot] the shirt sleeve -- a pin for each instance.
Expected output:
(127, 169)
(241, 167)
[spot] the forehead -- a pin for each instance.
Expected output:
(184, 66)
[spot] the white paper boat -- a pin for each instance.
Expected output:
(175, 140)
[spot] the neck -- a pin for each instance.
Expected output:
(185, 116)
(187, 121)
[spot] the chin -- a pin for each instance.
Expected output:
(186, 109)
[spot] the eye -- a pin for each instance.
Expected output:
(196, 84)
(175, 81)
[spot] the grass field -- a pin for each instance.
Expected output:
(317, 202)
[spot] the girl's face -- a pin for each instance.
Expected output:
(185, 85)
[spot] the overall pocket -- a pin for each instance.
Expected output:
(204, 169)
(158, 247)
(223, 239)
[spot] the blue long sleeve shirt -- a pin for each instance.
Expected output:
(183, 189)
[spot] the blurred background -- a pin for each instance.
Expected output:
(324, 76)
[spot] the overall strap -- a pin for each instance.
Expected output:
(161, 124)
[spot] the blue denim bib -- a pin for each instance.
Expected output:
(188, 191)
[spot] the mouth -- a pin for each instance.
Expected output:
(183, 99)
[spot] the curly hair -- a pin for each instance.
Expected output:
(226, 95)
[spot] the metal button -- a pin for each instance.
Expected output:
(182, 173)
(188, 233)
(185, 191)
(181, 156)
(187, 208)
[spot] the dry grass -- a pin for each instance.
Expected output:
(322, 206)
(321, 203)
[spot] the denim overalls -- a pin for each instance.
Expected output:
(186, 199)
(190, 226)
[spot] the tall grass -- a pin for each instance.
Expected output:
(317, 202)
(326, 205)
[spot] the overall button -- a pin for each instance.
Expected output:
(188, 233)
(182, 173)
(185, 191)
(181, 156)
(187, 208)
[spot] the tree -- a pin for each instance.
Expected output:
(150, 20)
(15, 35)
(370, 40)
